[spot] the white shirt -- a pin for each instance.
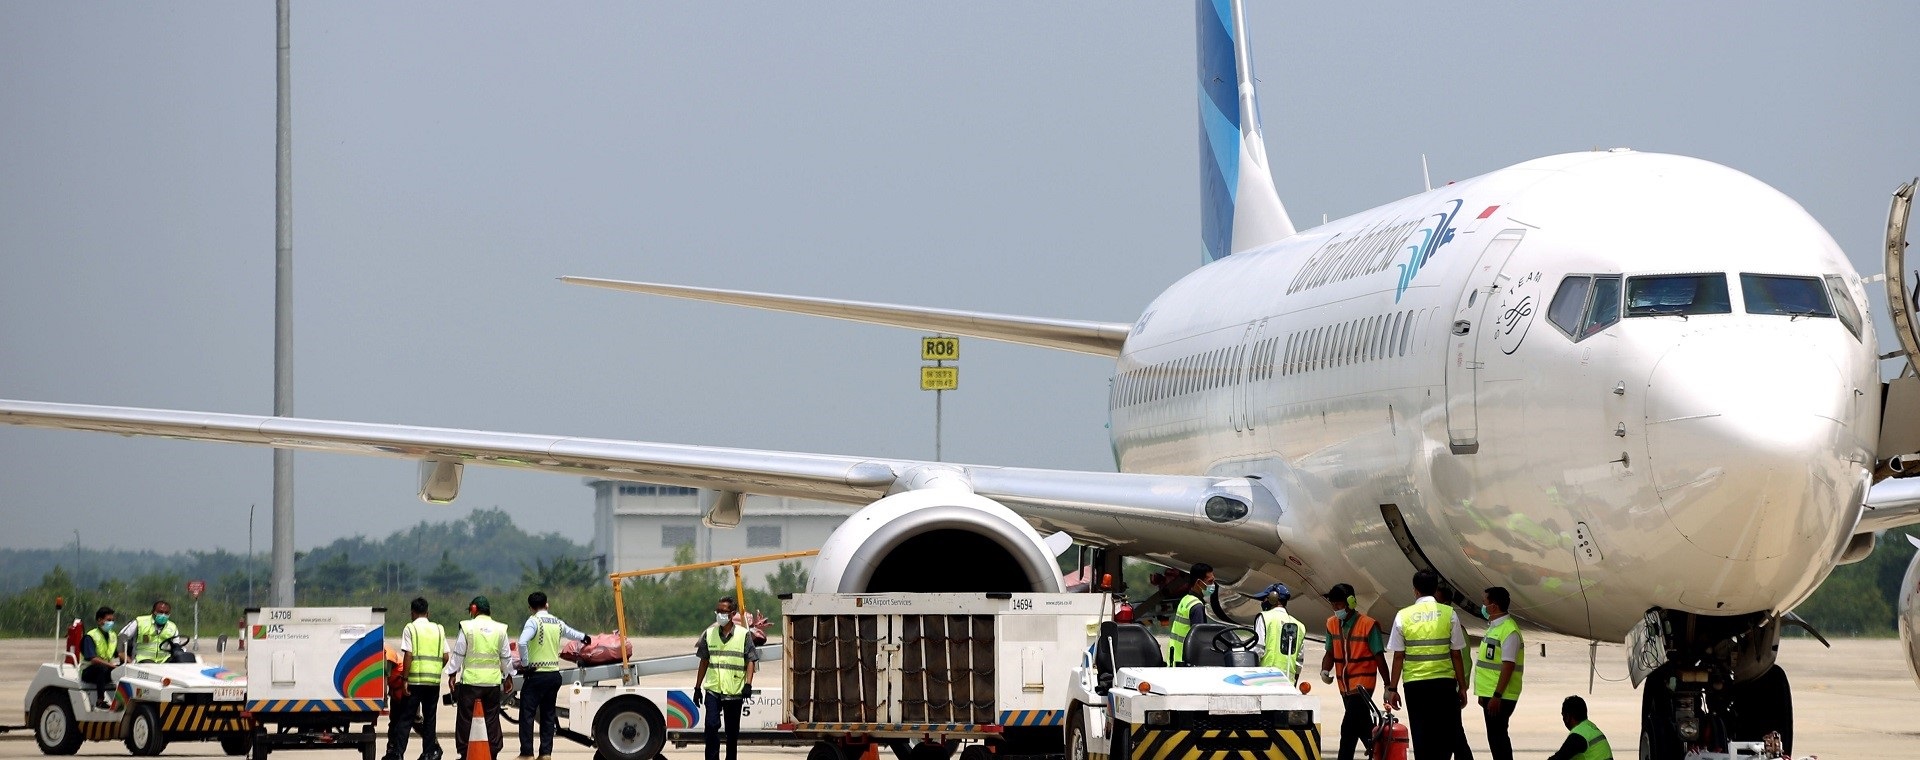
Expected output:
(532, 626)
(457, 652)
(1397, 642)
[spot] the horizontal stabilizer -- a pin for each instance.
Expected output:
(1097, 338)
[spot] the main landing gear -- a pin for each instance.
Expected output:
(1707, 681)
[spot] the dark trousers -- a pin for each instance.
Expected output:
(1433, 715)
(538, 692)
(717, 708)
(464, 698)
(1497, 742)
(416, 710)
(1357, 726)
(100, 677)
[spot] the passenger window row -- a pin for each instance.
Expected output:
(1218, 368)
(1381, 336)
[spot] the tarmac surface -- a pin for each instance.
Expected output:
(1856, 700)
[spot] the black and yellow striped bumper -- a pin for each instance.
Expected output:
(218, 718)
(1225, 744)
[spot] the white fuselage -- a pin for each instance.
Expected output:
(1712, 464)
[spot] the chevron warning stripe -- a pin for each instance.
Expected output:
(1230, 744)
(100, 731)
(315, 705)
(1033, 717)
(182, 718)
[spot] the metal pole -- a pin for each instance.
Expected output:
(249, 564)
(938, 408)
(283, 322)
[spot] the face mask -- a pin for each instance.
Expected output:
(1340, 614)
(1484, 613)
(160, 619)
(721, 618)
(107, 626)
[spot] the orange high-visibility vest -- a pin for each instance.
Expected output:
(1354, 666)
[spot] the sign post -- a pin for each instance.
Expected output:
(939, 378)
(194, 589)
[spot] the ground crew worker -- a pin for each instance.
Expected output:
(1355, 657)
(1191, 612)
(423, 656)
(540, 659)
(1584, 742)
(99, 651)
(142, 641)
(727, 658)
(477, 665)
(1426, 642)
(1497, 669)
(1282, 639)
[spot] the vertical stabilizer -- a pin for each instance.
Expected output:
(1239, 208)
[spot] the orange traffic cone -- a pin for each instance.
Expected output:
(479, 746)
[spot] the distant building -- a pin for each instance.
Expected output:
(638, 526)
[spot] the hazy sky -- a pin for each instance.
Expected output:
(450, 161)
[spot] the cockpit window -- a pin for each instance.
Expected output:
(1843, 304)
(1569, 303)
(1585, 305)
(1780, 294)
(1603, 307)
(1678, 295)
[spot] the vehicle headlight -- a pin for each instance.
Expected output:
(1159, 717)
(1298, 718)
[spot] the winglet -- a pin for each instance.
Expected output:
(1239, 207)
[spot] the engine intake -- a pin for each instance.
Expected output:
(935, 541)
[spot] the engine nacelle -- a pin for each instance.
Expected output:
(1910, 612)
(931, 541)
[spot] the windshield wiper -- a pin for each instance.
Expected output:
(1659, 311)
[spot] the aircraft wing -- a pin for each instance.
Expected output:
(1891, 504)
(1107, 507)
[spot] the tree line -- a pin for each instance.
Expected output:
(448, 563)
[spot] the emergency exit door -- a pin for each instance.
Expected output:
(1464, 342)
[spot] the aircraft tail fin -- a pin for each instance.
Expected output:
(1239, 207)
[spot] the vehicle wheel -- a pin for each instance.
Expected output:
(629, 728)
(54, 728)
(976, 752)
(1120, 741)
(236, 744)
(144, 737)
(1076, 737)
(902, 748)
(260, 748)
(1762, 705)
(1658, 738)
(826, 751)
(927, 750)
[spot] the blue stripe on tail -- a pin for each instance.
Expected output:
(1219, 125)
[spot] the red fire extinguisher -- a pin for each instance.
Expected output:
(1390, 737)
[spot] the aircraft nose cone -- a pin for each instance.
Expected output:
(1745, 438)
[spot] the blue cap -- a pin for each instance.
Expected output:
(1277, 588)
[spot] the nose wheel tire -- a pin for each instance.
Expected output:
(54, 728)
(144, 737)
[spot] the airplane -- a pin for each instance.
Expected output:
(1638, 390)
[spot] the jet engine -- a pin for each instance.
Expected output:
(936, 540)
(1910, 612)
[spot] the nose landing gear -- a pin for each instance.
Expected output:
(1714, 682)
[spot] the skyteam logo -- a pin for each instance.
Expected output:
(1437, 233)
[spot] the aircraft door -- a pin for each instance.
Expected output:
(1464, 342)
(1241, 390)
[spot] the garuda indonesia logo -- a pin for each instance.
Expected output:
(1438, 232)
